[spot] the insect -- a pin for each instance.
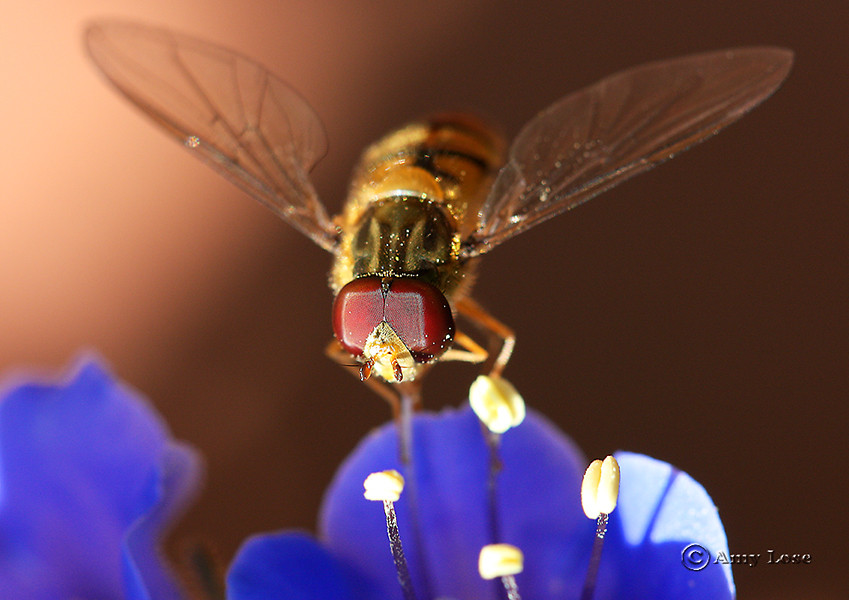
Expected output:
(427, 200)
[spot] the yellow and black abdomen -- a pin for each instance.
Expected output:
(414, 196)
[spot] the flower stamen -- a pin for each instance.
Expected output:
(386, 486)
(496, 403)
(499, 407)
(504, 561)
(599, 494)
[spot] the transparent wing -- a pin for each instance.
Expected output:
(623, 125)
(248, 124)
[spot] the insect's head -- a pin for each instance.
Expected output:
(392, 324)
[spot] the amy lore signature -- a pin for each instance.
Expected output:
(696, 557)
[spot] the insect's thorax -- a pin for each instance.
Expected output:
(414, 197)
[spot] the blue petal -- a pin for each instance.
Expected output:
(145, 576)
(84, 476)
(291, 566)
(538, 508)
(661, 511)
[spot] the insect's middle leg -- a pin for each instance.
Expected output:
(501, 335)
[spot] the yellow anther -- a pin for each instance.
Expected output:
(500, 560)
(496, 403)
(600, 488)
(589, 489)
(384, 485)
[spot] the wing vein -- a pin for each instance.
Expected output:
(596, 138)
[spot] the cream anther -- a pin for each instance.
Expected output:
(600, 487)
(500, 560)
(384, 486)
(496, 403)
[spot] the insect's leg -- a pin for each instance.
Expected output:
(338, 355)
(480, 317)
(494, 365)
(468, 351)
(393, 393)
(404, 398)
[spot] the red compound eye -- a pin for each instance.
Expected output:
(357, 310)
(416, 311)
(420, 315)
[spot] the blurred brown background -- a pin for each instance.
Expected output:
(696, 313)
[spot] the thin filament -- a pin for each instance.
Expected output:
(595, 557)
(493, 441)
(510, 587)
(405, 438)
(398, 552)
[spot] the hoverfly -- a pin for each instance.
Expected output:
(430, 198)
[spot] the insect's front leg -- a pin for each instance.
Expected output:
(501, 334)
(393, 393)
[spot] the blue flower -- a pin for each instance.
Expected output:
(89, 480)
(444, 520)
